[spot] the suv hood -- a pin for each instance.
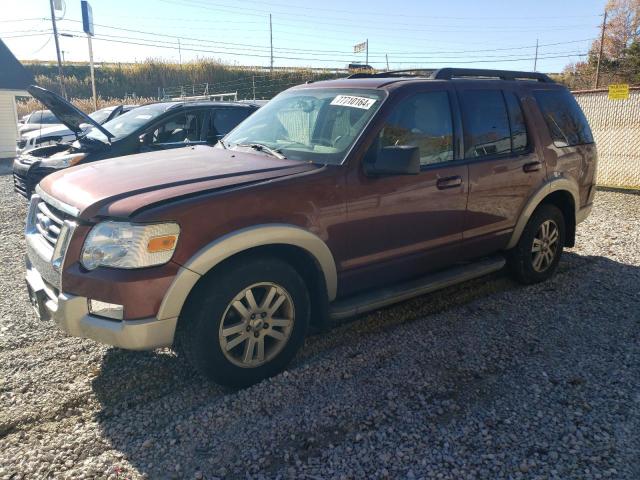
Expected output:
(118, 187)
(69, 115)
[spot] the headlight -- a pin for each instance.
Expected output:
(125, 245)
(62, 160)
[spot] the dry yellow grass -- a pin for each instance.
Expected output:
(27, 105)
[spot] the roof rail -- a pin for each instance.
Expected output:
(449, 73)
(392, 73)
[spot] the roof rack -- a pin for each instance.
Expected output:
(451, 73)
(392, 73)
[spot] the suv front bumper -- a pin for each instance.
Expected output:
(72, 315)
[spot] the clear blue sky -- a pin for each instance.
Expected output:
(487, 33)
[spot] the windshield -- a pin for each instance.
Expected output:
(317, 125)
(99, 116)
(129, 122)
(42, 116)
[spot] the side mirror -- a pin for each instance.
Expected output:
(395, 160)
(145, 138)
(214, 139)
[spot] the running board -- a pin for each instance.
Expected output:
(373, 300)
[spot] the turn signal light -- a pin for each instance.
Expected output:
(161, 244)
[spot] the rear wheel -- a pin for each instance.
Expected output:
(537, 254)
(246, 322)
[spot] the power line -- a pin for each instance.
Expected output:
(265, 50)
(359, 13)
(210, 6)
(28, 35)
(258, 55)
(395, 53)
(278, 33)
(20, 20)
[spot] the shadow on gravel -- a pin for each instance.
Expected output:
(6, 166)
(150, 395)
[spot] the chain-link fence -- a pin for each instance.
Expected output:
(616, 129)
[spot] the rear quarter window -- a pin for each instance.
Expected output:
(567, 124)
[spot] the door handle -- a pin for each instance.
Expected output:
(449, 182)
(532, 166)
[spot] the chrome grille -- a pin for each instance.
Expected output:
(48, 232)
(49, 222)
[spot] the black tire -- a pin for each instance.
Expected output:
(521, 258)
(200, 323)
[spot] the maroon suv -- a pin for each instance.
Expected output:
(336, 198)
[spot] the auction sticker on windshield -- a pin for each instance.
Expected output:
(351, 101)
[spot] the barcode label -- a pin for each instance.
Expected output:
(355, 102)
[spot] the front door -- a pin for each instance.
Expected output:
(403, 226)
(179, 130)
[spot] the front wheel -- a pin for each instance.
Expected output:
(537, 254)
(246, 322)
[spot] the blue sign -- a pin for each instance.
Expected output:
(87, 17)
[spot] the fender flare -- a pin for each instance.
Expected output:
(554, 185)
(239, 241)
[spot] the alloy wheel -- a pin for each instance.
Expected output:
(256, 324)
(545, 246)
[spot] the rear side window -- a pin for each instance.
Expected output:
(223, 120)
(486, 123)
(567, 124)
(519, 140)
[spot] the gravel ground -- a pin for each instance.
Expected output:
(484, 380)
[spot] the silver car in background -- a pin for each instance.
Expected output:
(53, 134)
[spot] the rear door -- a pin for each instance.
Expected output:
(504, 166)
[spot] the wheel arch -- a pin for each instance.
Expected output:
(307, 252)
(560, 192)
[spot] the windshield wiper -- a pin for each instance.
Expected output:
(221, 142)
(263, 148)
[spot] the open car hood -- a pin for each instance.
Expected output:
(68, 114)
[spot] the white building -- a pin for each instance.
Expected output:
(14, 79)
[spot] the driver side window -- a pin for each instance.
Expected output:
(424, 121)
(184, 127)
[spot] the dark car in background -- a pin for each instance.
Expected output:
(157, 126)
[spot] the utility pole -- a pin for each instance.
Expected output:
(386, 56)
(55, 37)
(535, 60)
(271, 41)
(179, 53)
(604, 23)
(366, 62)
(93, 74)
